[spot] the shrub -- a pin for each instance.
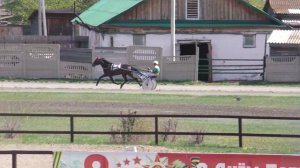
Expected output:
(169, 126)
(130, 124)
(197, 139)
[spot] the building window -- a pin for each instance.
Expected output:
(249, 41)
(192, 9)
(139, 39)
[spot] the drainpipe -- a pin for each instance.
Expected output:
(173, 28)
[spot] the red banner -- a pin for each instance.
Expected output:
(233, 160)
(172, 160)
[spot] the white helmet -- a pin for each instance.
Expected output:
(155, 62)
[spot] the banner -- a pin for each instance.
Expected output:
(172, 160)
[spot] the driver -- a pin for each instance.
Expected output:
(156, 69)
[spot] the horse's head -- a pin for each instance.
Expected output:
(98, 61)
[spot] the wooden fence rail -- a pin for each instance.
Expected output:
(71, 132)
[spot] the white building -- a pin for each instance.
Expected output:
(228, 37)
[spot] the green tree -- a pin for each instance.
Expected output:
(258, 3)
(22, 9)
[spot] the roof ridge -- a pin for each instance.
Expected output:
(263, 12)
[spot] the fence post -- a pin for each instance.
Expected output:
(264, 67)
(14, 160)
(240, 133)
(72, 129)
(156, 130)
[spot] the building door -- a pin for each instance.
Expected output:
(202, 49)
(204, 67)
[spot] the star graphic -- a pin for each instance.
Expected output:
(119, 164)
(137, 160)
(126, 162)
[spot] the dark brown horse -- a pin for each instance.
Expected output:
(111, 70)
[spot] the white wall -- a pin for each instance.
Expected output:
(94, 37)
(223, 46)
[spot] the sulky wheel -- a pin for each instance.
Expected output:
(149, 84)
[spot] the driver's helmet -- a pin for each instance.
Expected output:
(155, 62)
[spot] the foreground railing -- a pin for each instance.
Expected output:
(14, 154)
(71, 132)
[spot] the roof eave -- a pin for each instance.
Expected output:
(265, 13)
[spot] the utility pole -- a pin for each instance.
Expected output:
(44, 18)
(40, 19)
(173, 28)
(42, 23)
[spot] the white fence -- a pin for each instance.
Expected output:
(180, 68)
(12, 60)
(114, 55)
(45, 61)
(75, 70)
(29, 60)
(283, 69)
(48, 61)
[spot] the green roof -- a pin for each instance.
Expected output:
(192, 23)
(104, 10)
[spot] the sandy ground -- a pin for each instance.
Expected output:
(38, 161)
(162, 89)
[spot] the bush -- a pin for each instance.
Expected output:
(169, 126)
(12, 123)
(130, 124)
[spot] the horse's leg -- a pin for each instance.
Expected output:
(100, 79)
(113, 81)
(136, 79)
(125, 80)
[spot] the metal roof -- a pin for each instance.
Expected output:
(285, 6)
(285, 37)
(104, 10)
(292, 22)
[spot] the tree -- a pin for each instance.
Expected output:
(22, 9)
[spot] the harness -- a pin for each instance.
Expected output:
(115, 66)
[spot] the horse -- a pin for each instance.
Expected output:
(111, 70)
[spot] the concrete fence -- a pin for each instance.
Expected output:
(12, 60)
(76, 63)
(114, 55)
(283, 69)
(49, 61)
(180, 68)
(29, 60)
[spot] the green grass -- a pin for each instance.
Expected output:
(257, 101)
(246, 101)
(182, 143)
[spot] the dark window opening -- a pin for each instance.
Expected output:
(188, 49)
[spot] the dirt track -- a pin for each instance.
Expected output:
(161, 89)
